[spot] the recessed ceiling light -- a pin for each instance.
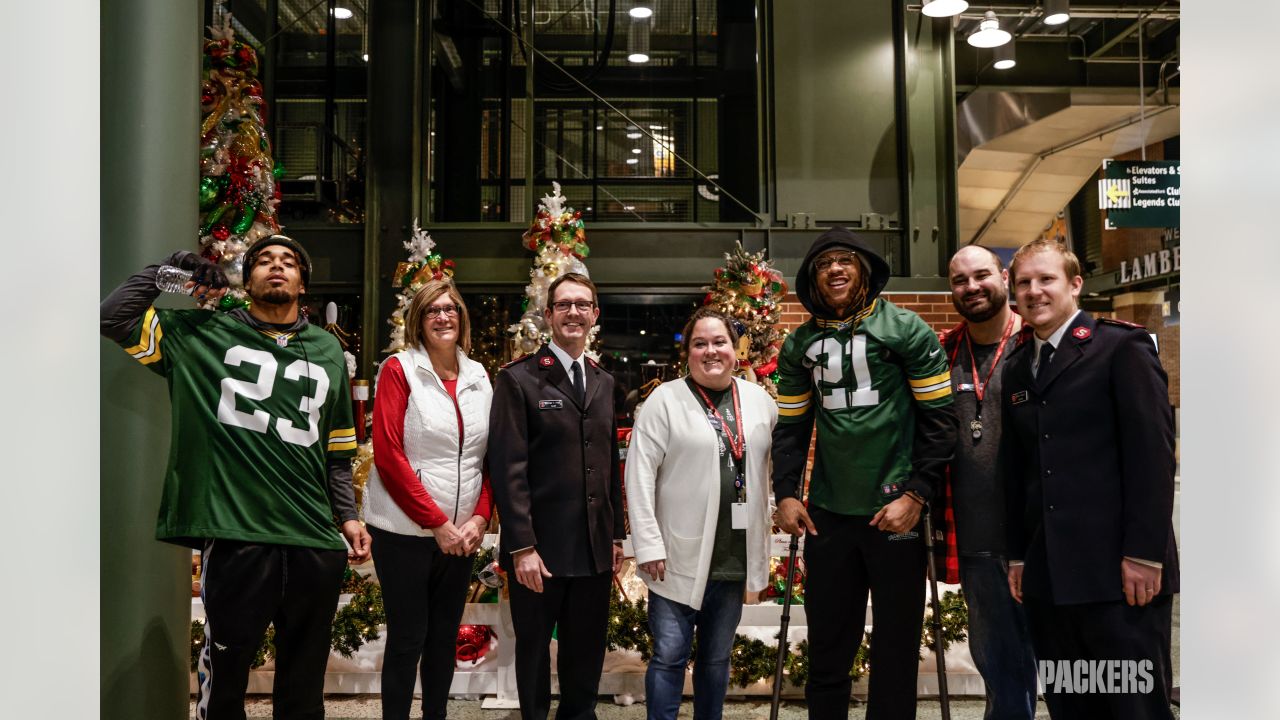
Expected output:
(628, 207)
(342, 13)
(632, 161)
(641, 12)
(634, 136)
(366, 57)
(638, 58)
(635, 151)
(655, 127)
(599, 127)
(641, 331)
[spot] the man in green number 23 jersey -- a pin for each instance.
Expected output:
(259, 475)
(876, 381)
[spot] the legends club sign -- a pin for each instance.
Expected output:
(1151, 265)
(1140, 194)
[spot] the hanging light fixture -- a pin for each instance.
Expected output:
(1056, 12)
(638, 41)
(1005, 57)
(989, 34)
(944, 8)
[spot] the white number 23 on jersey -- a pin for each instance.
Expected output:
(260, 420)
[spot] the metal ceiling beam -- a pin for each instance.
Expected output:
(1077, 11)
(1120, 36)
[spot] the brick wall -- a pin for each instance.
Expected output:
(934, 308)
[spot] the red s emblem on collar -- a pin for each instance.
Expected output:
(547, 361)
(1082, 333)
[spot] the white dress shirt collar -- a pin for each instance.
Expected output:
(1054, 340)
(568, 361)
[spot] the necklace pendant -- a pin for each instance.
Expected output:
(975, 429)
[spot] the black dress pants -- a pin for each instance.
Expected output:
(248, 586)
(577, 608)
(847, 559)
(424, 592)
(1105, 631)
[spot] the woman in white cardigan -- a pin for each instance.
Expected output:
(427, 502)
(698, 497)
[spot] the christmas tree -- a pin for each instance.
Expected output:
(238, 190)
(558, 240)
(424, 265)
(750, 291)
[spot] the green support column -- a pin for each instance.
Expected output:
(931, 233)
(394, 31)
(150, 70)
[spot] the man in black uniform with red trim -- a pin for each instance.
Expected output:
(553, 462)
(1088, 445)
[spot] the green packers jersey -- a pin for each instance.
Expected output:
(256, 415)
(862, 385)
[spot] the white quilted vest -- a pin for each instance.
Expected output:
(450, 472)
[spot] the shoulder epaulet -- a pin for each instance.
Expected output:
(1121, 323)
(1024, 335)
(519, 359)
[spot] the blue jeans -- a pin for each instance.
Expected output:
(672, 625)
(999, 639)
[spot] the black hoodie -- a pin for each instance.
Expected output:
(806, 289)
(935, 427)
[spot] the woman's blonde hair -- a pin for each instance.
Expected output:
(413, 336)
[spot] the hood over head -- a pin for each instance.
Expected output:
(875, 271)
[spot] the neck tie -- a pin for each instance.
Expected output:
(1046, 353)
(578, 386)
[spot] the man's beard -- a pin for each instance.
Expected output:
(856, 294)
(273, 296)
(995, 303)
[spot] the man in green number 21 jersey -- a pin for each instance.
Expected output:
(259, 475)
(876, 381)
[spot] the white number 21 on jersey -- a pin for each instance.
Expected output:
(827, 357)
(260, 389)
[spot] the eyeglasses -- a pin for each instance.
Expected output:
(846, 261)
(435, 311)
(562, 306)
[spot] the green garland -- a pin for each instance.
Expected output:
(750, 660)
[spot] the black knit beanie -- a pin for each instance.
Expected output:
(304, 259)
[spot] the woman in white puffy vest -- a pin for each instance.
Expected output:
(427, 502)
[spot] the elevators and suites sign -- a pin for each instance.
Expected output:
(1145, 194)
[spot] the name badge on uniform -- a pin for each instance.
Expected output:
(550, 404)
(1019, 397)
(738, 515)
